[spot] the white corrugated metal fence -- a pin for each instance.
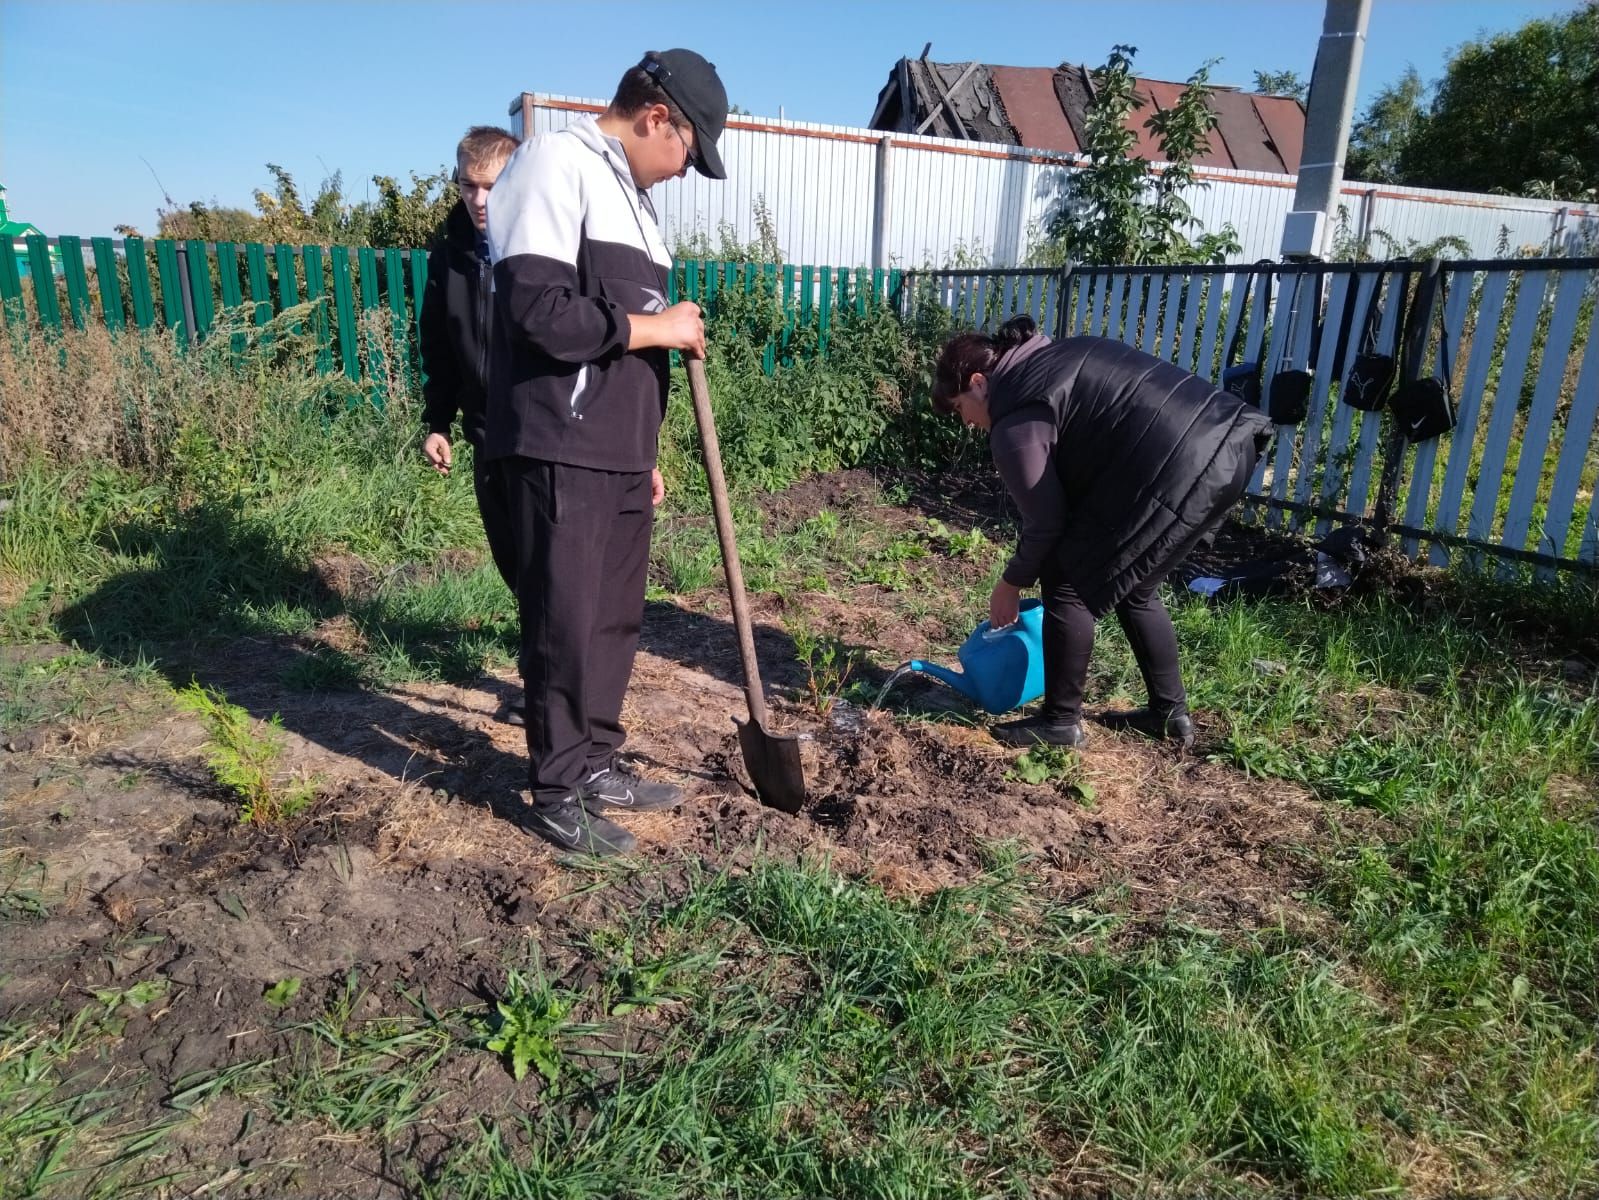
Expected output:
(952, 202)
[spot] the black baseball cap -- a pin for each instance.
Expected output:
(694, 87)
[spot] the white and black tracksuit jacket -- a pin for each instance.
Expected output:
(575, 249)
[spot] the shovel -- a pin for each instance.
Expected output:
(773, 761)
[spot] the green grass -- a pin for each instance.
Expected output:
(451, 628)
(995, 1040)
(40, 690)
(325, 669)
(784, 1030)
(815, 1037)
(1486, 879)
(371, 1076)
(70, 686)
(335, 1073)
(23, 894)
(62, 1129)
(977, 1043)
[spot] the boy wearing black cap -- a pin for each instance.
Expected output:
(577, 389)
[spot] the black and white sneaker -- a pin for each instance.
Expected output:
(614, 790)
(567, 824)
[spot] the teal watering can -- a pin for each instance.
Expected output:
(1002, 669)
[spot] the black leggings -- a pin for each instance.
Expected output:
(1069, 626)
(1069, 640)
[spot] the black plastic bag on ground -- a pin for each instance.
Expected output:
(1328, 565)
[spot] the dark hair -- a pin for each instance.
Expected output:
(638, 90)
(968, 354)
(484, 144)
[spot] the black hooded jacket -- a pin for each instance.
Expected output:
(1115, 458)
(454, 337)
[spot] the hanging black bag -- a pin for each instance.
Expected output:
(1243, 379)
(1423, 407)
(1372, 377)
(1346, 330)
(1288, 400)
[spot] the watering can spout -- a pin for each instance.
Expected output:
(956, 679)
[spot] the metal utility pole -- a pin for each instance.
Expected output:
(1328, 115)
(882, 204)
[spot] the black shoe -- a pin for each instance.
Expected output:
(567, 824)
(611, 789)
(512, 712)
(1051, 731)
(1176, 726)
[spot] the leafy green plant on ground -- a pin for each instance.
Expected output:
(525, 1032)
(282, 993)
(973, 544)
(135, 996)
(1044, 763)
(244, 757)
(22, 887)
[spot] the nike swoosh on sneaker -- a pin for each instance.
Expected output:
(569, 835)
(625, 800)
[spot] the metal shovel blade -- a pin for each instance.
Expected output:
(773, 762)
(774, 766)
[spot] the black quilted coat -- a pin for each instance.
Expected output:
(1146, 455)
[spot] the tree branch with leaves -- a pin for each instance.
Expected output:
(1117, 208)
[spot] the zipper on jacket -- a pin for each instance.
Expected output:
(483, 323)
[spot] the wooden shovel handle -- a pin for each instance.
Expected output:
(724, 534)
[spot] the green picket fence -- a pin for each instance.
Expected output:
(808, 297)
(185, 287)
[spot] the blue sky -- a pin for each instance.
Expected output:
(207, 93)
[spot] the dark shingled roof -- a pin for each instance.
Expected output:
(1042, 108)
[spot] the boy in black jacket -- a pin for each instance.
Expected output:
(457, 319)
